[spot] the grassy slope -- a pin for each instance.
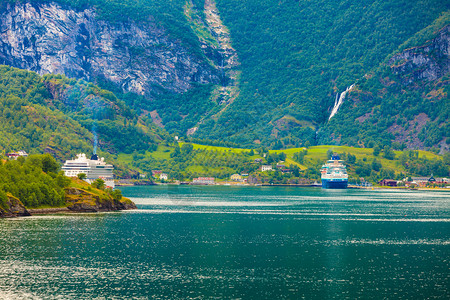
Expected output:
(320, 153)
(316, 155)
(83, 185)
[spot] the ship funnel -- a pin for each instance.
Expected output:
(94, 157)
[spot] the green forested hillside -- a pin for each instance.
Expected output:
(35, 181)
(296, 55)
(54, 114)
(405, 102)
(38, 182)
(26, 122)
(294, 58)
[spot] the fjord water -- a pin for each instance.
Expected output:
(236, 242)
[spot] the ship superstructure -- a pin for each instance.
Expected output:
(334, 174)
(94, 168)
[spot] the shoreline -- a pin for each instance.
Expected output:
(66, 210)
(49, 210)
(305, 185)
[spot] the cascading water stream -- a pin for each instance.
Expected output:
(338, 102)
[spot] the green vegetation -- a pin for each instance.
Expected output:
(394, 108)
(59, 115)
(179, 112)
(35, 181)
(26, 122)
(187, 161)
(296, 55)
(428, 33)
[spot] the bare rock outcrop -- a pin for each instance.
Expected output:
(428, 62)
(138, 57)
(13, 208)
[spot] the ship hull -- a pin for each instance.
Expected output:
(334, 184)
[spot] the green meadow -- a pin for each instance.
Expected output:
(184, 161)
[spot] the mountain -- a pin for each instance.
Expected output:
(249, 72)
(139, 57)
(296, 56)
(61, 116)
(405, 101)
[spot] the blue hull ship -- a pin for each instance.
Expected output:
(334, 174)
(334, 184)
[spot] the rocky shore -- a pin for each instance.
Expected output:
(77, 200)
(13, 208)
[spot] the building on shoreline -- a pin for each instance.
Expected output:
(423, 181)
(236, 177)
(15, 155)
(265, 168)
(204, 180)
(388, 182)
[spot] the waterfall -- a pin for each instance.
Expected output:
(338, 102)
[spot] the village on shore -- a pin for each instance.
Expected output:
(159, 177)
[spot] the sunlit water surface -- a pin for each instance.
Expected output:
(236, 242)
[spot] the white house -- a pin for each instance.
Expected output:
(163, 176)
(266, 168)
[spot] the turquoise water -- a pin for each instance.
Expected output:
(236, 242)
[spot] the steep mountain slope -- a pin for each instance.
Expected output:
(297, 55)
(138, 57)
(248, 72)
(147, 52)
(27, 123)
(61, 116)
(406, 101)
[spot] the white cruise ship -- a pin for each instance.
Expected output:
(94, 168)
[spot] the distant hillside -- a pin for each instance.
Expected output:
(297, 55)
(61, 116)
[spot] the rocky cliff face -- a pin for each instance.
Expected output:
(429, 62)
(138, 57)
(13, 208)
(215, 41)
